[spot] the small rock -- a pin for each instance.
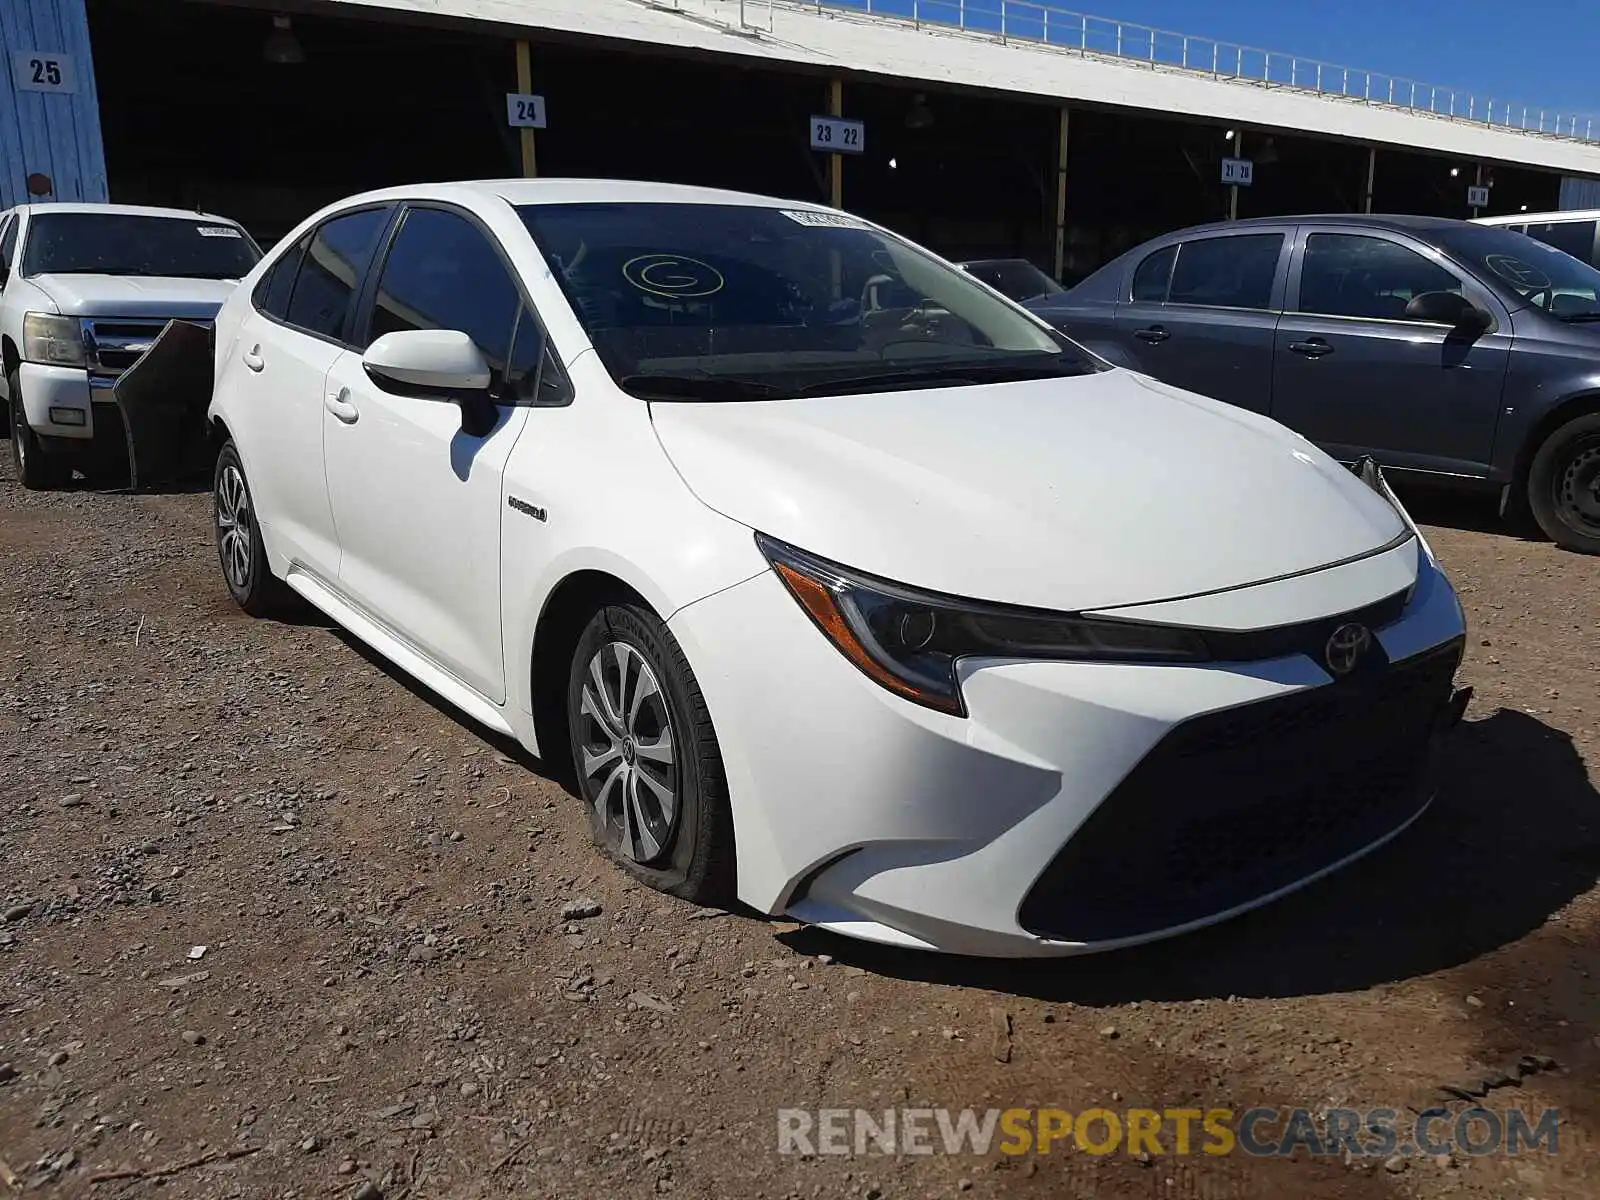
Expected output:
(347, 1167)
(311, 1145)
(580, 909)
(196, 953)
(59, 1057)
(422, 1121)
(17, 911)
(1443, 1160)
(194, 1038)
(1110, 1031)
(422, 954)
(72, 800)
(1474, 1002)
(469, 1089)
(7, 1072)
(367, 1191)
(1395, 1164)
(964, 1185)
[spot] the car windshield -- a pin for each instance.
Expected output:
(712, 302)
(91, 243)
(1016, 278)
(1526, 271)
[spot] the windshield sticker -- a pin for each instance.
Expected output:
(227, 231)
(823, 220)
(673, 277)
(1516, 272)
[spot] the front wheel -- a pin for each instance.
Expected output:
(646, 757)
(1564, 485)
(239, 547)
(36, 470)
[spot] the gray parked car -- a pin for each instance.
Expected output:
(1451, 350)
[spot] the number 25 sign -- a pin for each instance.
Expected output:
(43, 71)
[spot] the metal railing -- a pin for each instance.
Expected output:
(1028, 22)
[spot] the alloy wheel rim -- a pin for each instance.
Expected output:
(628, 755)
(1578, 488)
(233, 527)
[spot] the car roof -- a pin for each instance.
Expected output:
(1394, 222)
(123, 210)
(521, 192)
(1573, 214)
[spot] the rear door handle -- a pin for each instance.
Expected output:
(338, 403)
(1153, 335)
(253, 359)
(1311, 348)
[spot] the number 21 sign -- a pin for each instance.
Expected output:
(43, 71)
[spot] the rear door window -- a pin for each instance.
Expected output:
(272, 291)
(1154, 273)
(330, 275)
(1575, 237)
(1227, 272)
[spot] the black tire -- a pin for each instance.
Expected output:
(240, 552)
(1564, 485)
(36, 470)
(694, 854)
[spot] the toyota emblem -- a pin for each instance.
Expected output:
(1346, 648)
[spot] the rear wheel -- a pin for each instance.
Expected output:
(646, 757)
(36, 470)
(239, 547)
(1564, 485)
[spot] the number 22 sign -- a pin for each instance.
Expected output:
(43, 71)
(837, 136)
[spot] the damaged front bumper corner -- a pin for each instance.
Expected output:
(163, 400)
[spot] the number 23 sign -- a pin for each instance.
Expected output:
(43, 71)
(837, 135)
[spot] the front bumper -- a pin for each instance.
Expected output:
(1080, 806)
(51, 393)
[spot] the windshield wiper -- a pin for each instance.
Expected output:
(952, 374)
(700, 387)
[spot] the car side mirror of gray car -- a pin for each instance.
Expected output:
(1448, 308)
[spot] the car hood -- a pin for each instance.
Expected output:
(1068, 494)
(135, 295)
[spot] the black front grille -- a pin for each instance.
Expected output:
(1234, 805)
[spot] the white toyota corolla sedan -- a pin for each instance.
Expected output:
(849, 589)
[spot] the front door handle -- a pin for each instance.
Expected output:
(1311, 347)
(338, 403)
(253, 359)
(1154, 334)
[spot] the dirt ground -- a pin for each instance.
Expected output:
(391, 1003)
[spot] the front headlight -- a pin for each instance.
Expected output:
(910, 642)
(56, 341)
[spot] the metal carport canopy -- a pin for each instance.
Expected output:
(836, 42)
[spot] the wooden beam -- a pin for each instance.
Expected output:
(836, 160)
(1061, 192)
(530, 159)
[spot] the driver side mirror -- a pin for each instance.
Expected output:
(1448, 308)
(436, 364)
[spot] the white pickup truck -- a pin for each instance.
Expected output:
(84, 290)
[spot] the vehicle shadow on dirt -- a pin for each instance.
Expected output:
(1513, 836)
(1471, 512)
(305, 614)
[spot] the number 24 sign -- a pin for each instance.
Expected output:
(43, 71)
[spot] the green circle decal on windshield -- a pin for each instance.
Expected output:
(1516, 272)
(673, 277)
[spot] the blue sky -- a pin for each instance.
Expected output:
(1540, 52)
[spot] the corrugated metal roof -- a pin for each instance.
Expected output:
(56, 134)
(804, 35)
